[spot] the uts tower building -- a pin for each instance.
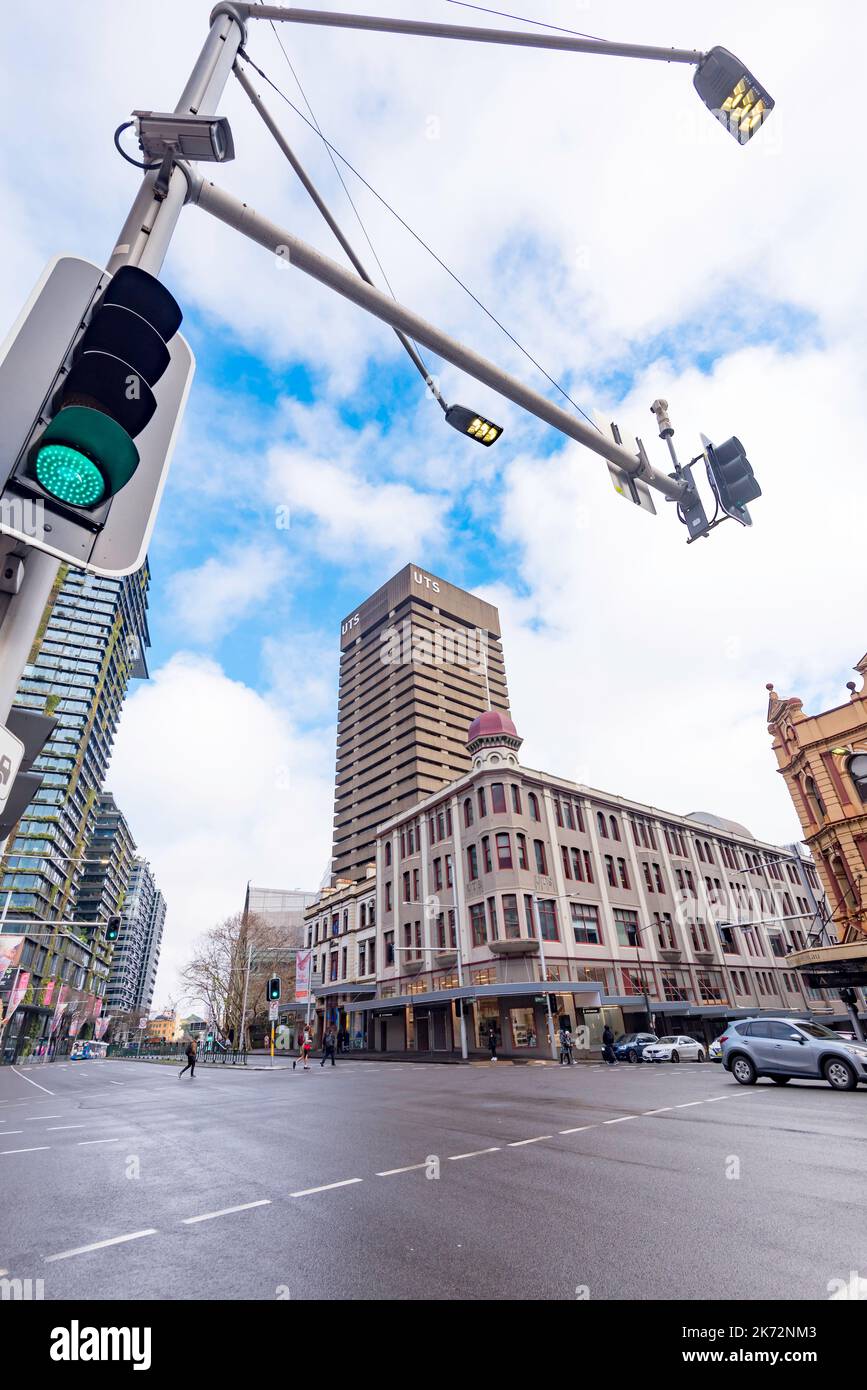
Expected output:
(418, 661)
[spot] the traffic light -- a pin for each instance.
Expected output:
(731, 476)
(112, 929)
(273, 989)
(93, 383)
(857, 769)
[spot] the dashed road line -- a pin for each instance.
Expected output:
(82, 1142)
(52, 1128)
(100, 1245)
(37, 1149)
(326, 1187)
(410, 1168)
(475, 1153)
(577, 1130)
(227, 1211)
(687, 1103)
(518, 1143)
(619, 1120)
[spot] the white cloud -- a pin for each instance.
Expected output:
(218, 788)
(210, 599)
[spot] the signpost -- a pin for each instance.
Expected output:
(11, 754)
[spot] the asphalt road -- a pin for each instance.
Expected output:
(406, 1181)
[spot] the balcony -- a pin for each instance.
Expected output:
(514, 946)
(446, 955)
(671, 954)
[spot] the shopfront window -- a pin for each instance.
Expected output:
(523, 1026)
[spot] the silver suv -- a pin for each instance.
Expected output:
(783, 1047)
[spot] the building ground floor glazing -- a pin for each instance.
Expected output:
(421, 1013)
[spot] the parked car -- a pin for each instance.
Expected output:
(629, 1046)
(714, 1052)
(677, 1047)
(781, 1048)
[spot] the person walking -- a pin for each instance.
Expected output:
(608, 1045)
(192, 1050)
(492, 1041)
(329, 1046)
(306, 1047)
(565, 1045)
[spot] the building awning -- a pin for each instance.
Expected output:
(832, 967)
(585, 994)
(362, 991)
(684, 1010)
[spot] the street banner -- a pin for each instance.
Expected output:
(303, 963)
(48, 991)
(74, 1024)
(59, 1008)
(10, 952)
(100, 1026)
(19, 989)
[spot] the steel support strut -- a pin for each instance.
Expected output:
(278, 240)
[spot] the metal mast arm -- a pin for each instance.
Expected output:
(327, 214)
(278, 240)
(515, 37)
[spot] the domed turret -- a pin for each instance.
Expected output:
(492, 739)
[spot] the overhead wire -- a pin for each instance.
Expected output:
(334, 151)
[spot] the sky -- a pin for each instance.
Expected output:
(630, 245)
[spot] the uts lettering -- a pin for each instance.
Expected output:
(425, 579)
(349, 624)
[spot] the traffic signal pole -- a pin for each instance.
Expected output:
(143, 242)
(281, 243)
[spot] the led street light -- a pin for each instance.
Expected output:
(476, 426)
(734, 96)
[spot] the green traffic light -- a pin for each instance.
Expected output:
(83, 458)
(69, 475)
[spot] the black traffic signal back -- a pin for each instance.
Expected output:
(273, 989)
(112, 929)
(86, 454)
(731, 476)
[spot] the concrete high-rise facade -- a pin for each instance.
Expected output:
(418, 660)
(137, 952)
(105, 876)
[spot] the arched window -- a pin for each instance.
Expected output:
(615, 829)
(468, 811)
(534, 806)
(815, 800)
(387, 853)
(601, 825)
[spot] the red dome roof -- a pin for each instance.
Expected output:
(490, 724)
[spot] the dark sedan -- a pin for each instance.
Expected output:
(629, 1046)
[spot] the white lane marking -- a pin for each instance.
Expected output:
(53, 1127)
(620, 1119)
(117, 1083)
(410, 1168)
(225, 1211)
(7, 1132)
(326, 1187)
(475, 1153)
(687, 1103)
(43, 1117)
(32, 1083)
(26, 1151)
(518, 1143)
(577, 1130)
(100, 1245)
(661, 1111)
(82, 1142)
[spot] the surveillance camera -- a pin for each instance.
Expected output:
(11, 574)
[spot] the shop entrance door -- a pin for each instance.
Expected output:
(422, 1034)
(438, 1020)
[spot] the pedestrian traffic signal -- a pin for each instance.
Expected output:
(93, 381)
(273, 989)
(112, 929)
(731, 476)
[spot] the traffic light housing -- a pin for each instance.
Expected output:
(93, 382)
(112, 929)
(731, 476)
(273, 989)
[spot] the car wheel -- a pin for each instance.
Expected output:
(700, 1056)
(781, 1080)
(840, 1075)
(632, 1057)
(675, 1056)
(743, 1071)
